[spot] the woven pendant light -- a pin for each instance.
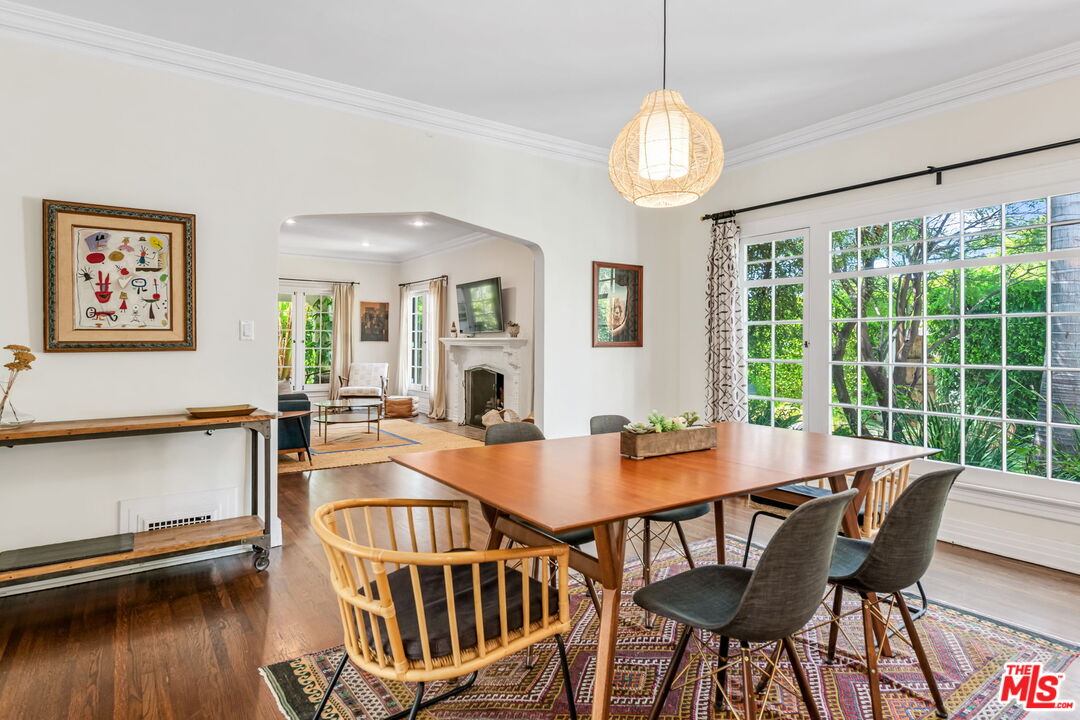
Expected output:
(667, 155)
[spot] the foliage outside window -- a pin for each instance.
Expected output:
(309, 355)
(774, 306)
(961, 331)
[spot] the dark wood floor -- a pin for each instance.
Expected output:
(186, 642)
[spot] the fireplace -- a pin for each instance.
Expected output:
(483, 392)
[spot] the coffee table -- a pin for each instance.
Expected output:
(347, 410)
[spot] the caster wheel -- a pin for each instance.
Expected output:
(261, 561)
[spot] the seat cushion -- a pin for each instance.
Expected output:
(706, 598)
(682, 514)
(848, 557)
(360, 391)
(433, 590)
(803, 493)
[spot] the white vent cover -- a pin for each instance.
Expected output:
(167, 511)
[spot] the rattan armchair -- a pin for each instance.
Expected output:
(417, 605)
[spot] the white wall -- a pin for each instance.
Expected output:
(1029, 519)
(376, 282)
(96, 130)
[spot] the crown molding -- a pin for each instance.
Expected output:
(138, 49)
(1006, 79)
(143, 50)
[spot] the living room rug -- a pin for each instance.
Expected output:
(967, 651)
(351, 444)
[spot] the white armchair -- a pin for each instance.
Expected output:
(365, 380)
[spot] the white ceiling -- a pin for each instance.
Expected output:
(578, 70)
(388, 238)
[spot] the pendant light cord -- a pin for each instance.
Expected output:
(664, 78)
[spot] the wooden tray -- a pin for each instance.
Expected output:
(638, 447)
(221, 411)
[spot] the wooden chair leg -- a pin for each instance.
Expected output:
(749, 700)
(685, 545)
(646, 562)
(834, 626)
(920, 653)
(592, 595)
(801, 679)
(722, 653)
(669, 676)
(870, 638)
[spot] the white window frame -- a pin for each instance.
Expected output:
(995, 488)
(426, 340)
(744, 263)
(299, 293)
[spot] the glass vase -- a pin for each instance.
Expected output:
(10, 417)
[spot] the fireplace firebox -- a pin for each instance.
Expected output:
(483, 392)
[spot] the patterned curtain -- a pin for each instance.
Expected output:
(725, 359)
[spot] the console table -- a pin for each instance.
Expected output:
(154, 544)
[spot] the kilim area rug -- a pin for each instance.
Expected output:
(352, 444)
(966, 650)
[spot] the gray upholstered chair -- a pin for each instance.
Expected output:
(603, 424)
(897, 558)
(762, 606)
(514, 432)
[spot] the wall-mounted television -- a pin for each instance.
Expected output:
(479, 306)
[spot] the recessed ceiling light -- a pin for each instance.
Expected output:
(290, 221)
(418, 223)
(365, 243)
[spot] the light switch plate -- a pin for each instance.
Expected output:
(247, 330)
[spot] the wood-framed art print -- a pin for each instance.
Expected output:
(374, 321)
(117, 279)
(618, 293)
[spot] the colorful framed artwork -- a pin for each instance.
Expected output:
(117, 279)
(618, 291)
(374, 321)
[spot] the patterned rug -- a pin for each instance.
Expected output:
(351, 444)
(966, 650)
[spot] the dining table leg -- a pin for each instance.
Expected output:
(852, 529)
(721, 535)
(495, 536)
(610, 551)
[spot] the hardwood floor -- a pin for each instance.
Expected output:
(186, 642)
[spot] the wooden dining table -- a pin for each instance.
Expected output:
(566, 484)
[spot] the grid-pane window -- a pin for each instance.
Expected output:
(305, 338)
(285, 338)
(417, 341)
(775, 315)
(961, 331)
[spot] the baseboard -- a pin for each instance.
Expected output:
(118, 571)
(1038, 550)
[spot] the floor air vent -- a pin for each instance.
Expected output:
(178, 522)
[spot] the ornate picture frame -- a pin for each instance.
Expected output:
(618, 295)
(117, 279)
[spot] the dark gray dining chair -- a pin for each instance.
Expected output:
(515, 432)
(604, 424)
(762, 606)
(897, 558)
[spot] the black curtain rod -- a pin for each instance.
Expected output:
(930, 170)
(328, 282)
(437, 277)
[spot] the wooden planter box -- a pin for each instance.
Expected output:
(638, 447)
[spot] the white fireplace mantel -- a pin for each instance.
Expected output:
(484, 342)
(507, 355)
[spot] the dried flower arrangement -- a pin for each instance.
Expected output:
(21, 362)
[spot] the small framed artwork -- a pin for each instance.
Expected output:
(617, 301)
(374, 321)
(117, 279)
